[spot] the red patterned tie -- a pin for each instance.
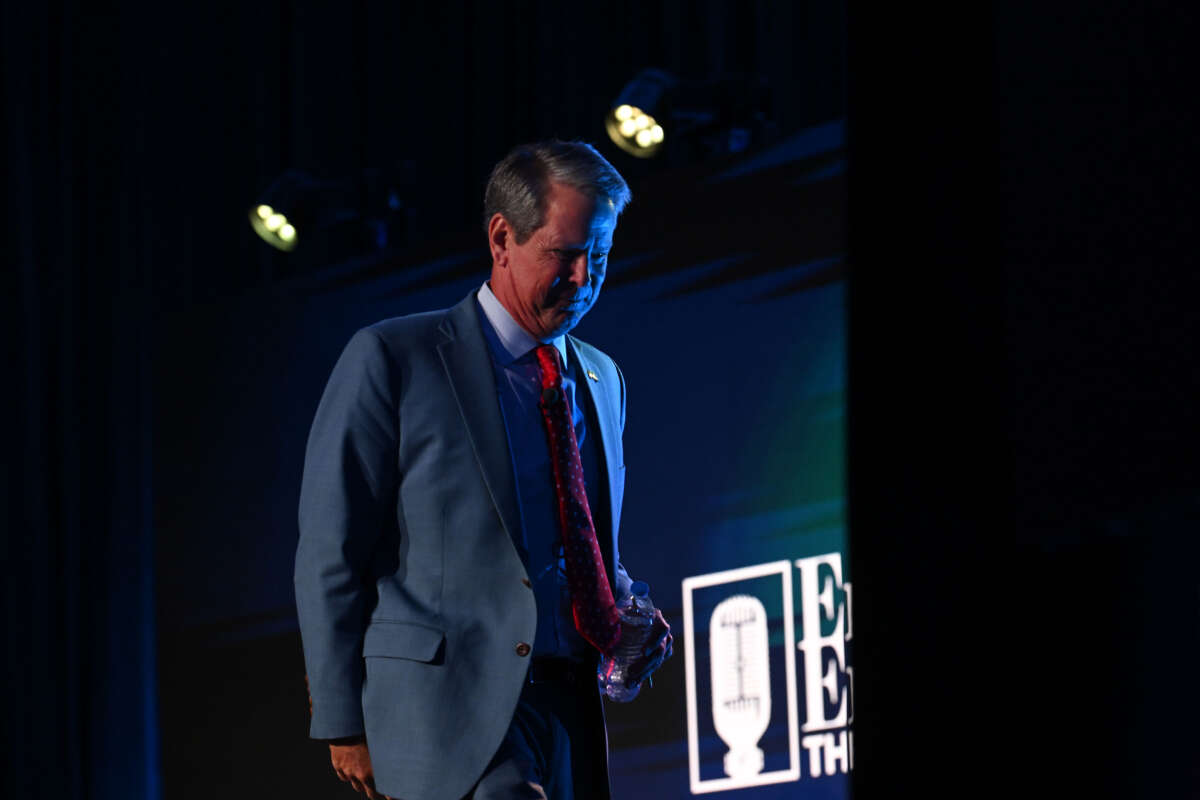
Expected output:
(596, 615)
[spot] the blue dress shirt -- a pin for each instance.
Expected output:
(518, 385)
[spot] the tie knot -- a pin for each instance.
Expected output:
(549, 364)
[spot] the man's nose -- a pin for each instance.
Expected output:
(579, 274)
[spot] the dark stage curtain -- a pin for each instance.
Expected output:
(79, 720)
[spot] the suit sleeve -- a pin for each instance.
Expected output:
(346, 498)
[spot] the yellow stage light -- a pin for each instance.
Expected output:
(634, 131)
(273, 227)
(637, 120)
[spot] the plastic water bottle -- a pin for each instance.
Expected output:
(637, 620)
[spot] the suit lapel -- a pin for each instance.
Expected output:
(469, 368)
(609, 435)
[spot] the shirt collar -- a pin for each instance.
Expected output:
(513, 341)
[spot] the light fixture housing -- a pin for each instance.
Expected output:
(657, 113)
(297, 204)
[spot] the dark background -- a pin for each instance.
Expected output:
(1023, 469)
(1021, 202)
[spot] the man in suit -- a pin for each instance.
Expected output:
(434, 596)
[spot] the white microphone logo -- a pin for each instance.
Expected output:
(741, 681)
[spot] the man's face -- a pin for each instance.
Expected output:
(551, 280)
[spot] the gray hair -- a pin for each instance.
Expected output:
(519, 184)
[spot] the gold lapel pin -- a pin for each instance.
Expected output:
(593, 375)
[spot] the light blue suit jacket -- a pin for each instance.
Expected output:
(413, 601)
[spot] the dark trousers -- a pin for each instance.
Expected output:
(555, 747)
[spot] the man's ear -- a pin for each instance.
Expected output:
(500, 238)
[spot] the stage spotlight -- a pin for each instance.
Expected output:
(633, 123)
(286, 208)
(698, 119)
(272, 227)
(298, 204)
(343, 215)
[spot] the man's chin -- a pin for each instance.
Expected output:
(559, 323)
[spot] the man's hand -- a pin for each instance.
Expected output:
(658, 650)
(352, 763)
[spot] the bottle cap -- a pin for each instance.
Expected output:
(639, 589)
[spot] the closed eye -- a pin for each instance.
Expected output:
(571, 255)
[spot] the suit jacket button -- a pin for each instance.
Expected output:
(526, 582)
(523, 649)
